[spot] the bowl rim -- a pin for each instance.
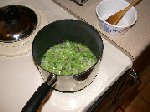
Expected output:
(116, 26)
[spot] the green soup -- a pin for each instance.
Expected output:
(68, 58)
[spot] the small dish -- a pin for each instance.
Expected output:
(109, 7)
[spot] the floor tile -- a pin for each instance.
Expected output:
(145, 93)
(145, 77)
(119, 110)
(141, 103)
(138, 105)
(148, 84)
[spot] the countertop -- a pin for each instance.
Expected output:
(133, 42)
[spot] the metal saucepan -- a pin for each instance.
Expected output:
(56, 33)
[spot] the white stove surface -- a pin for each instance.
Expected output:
(20, 77)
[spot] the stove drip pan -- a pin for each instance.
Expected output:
(18, 28)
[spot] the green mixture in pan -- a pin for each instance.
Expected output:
(68, 58)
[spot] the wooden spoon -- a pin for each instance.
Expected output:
(114, 19)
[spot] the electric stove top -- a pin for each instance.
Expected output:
(20, 77)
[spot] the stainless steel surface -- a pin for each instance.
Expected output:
(51, 79)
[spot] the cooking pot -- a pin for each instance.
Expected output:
(56, 33)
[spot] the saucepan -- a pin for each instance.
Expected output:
(56, 33)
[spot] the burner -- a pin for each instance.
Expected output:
(16, 23)
(18, 26)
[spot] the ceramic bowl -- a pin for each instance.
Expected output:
(109, 7)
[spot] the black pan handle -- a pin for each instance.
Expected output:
(35, 101)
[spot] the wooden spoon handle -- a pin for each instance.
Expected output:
(132, 4)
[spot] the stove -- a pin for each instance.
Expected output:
(20, 77)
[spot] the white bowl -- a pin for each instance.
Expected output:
(109, 7)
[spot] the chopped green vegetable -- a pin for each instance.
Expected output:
(68, 58)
